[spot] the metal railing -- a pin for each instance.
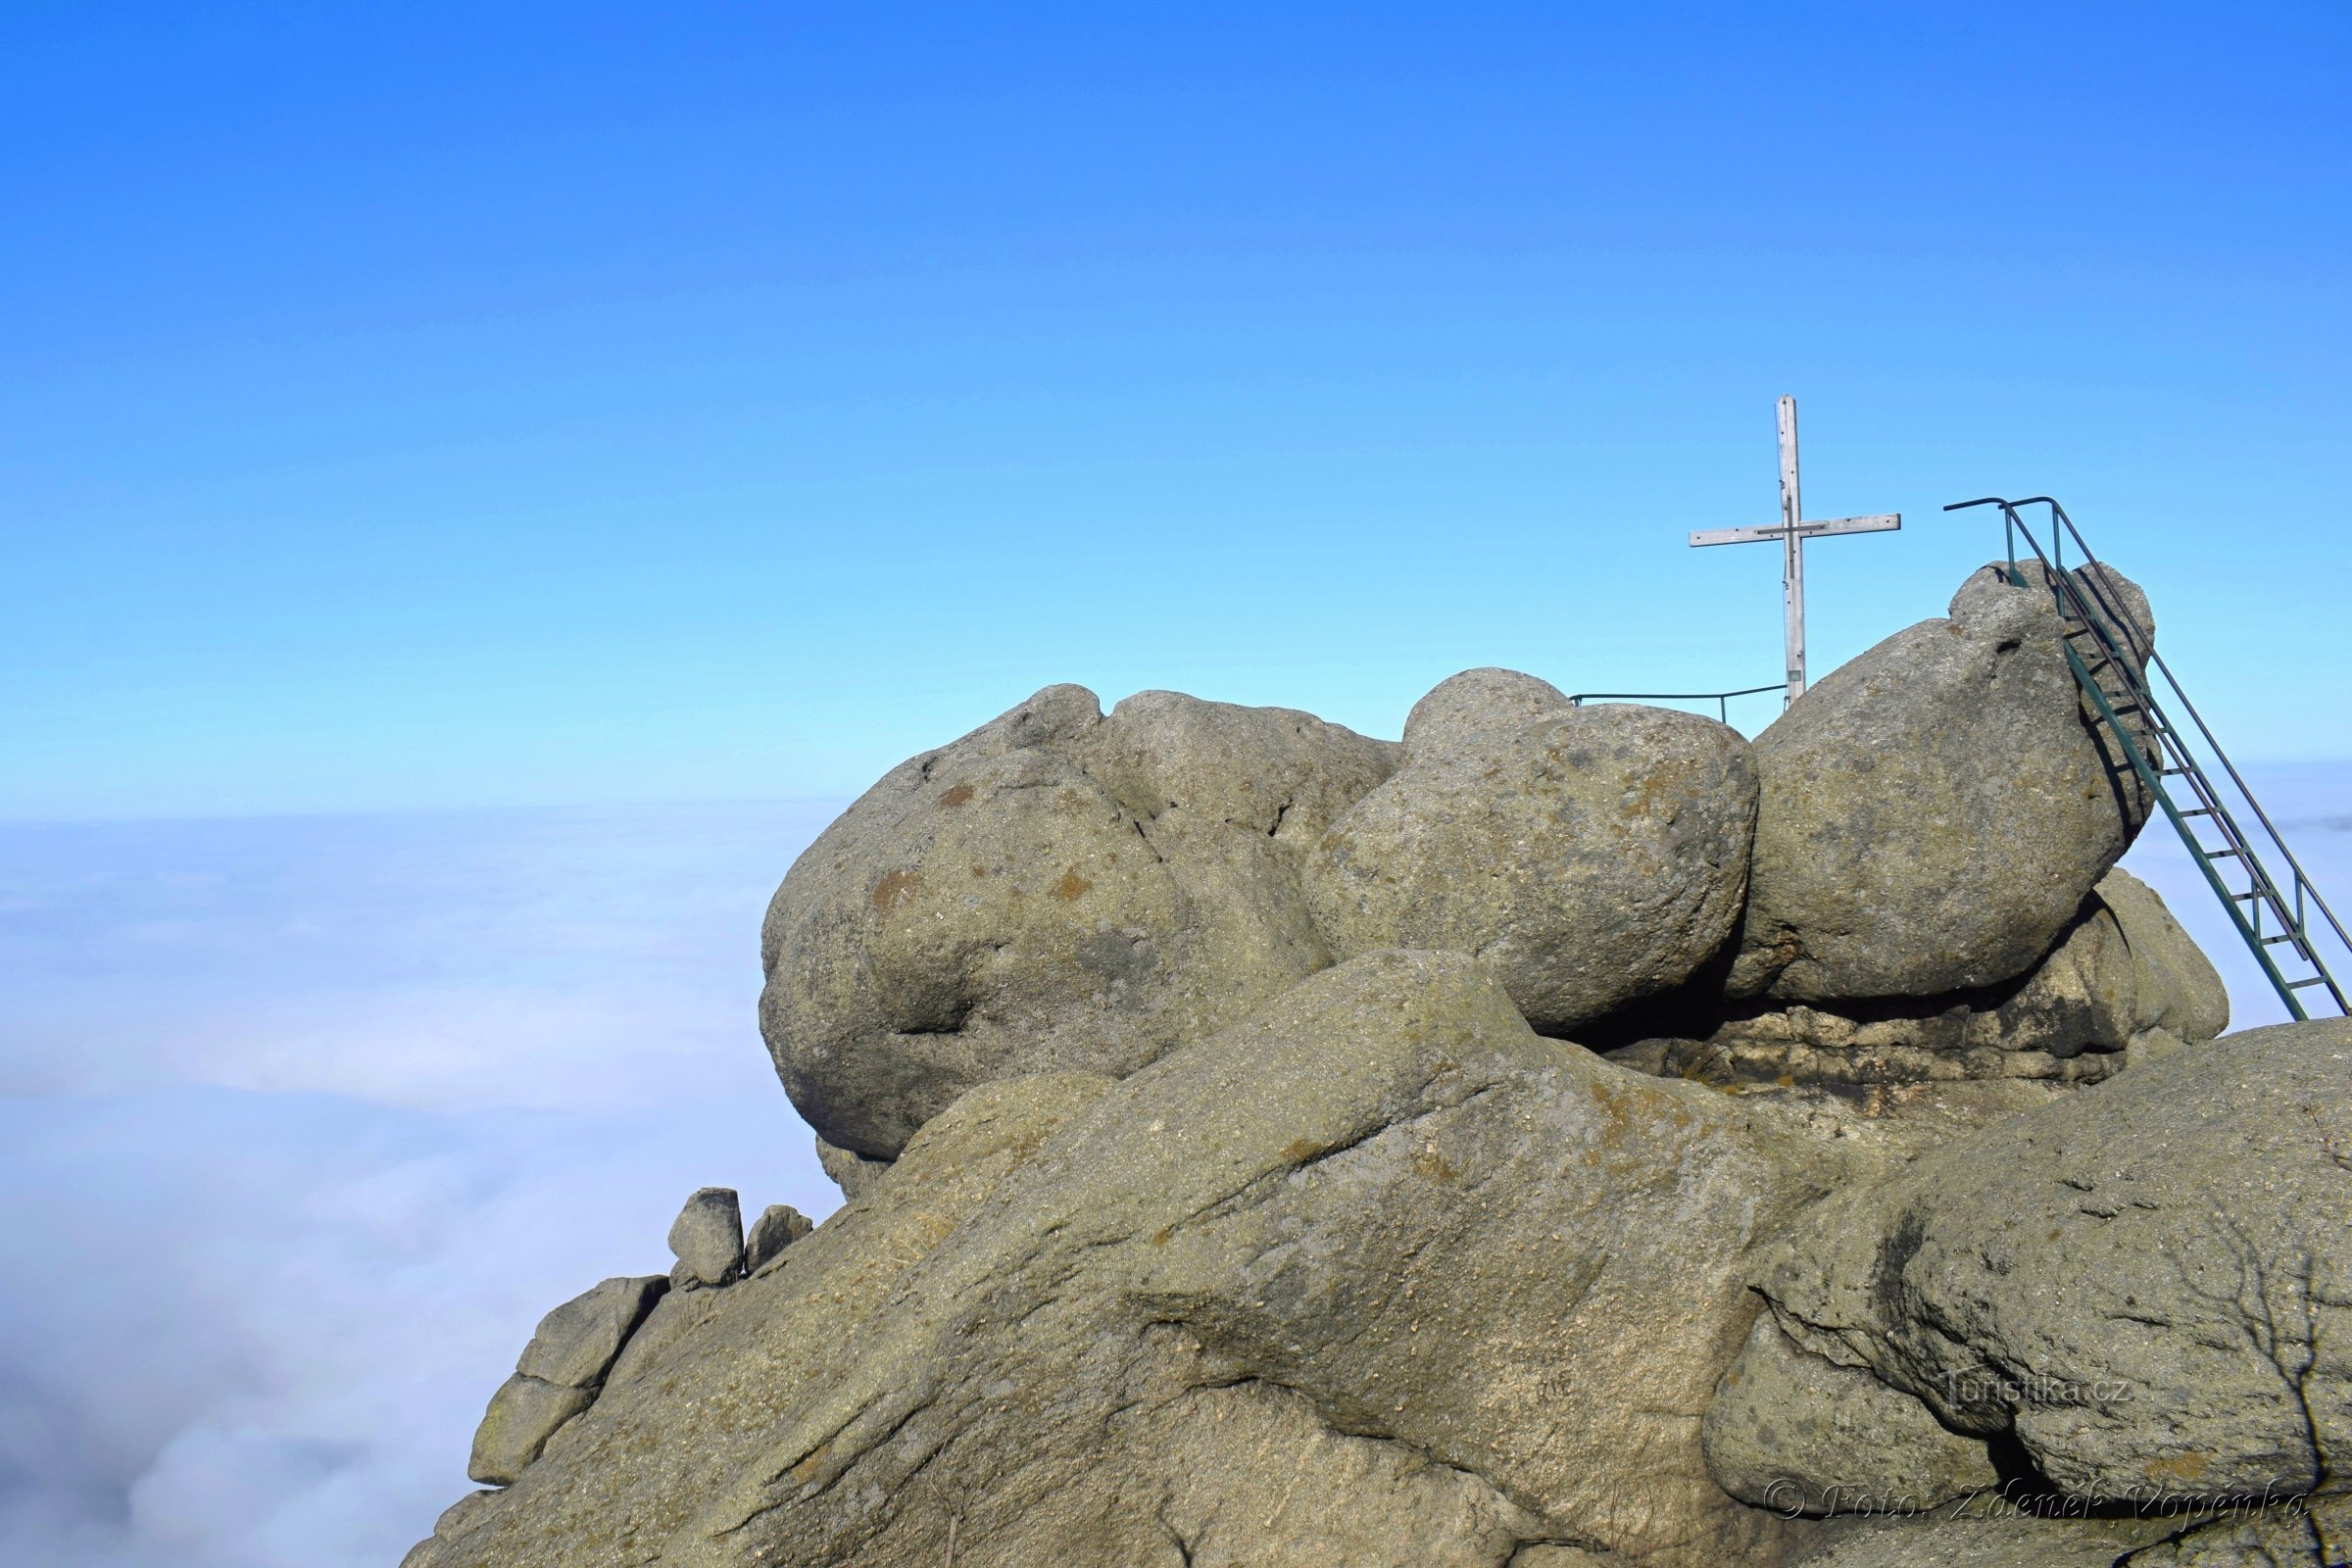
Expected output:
(1721, 699)
(2159, 750)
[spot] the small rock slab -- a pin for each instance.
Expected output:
(1796, 1433)
(523, 1414)
(778, 1226)
(706, 1236)
(577, 1342)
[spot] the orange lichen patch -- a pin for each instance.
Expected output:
(1430, 1165)
(979, 870)
(1072, 886)
(957, 796)
(2181, 1467)
(1300, 1150)
(896, 888)
(808, 1469)
(1618, 1106)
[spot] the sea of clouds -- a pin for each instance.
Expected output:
(305, 1121)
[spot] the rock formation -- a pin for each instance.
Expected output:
(1573, 1138)
(1591, 856)
(1057, 891)
(1933, 814)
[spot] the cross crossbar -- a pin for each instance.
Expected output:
(1791, 534)
(1879, 523)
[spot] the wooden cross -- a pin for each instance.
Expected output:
(1793, 536)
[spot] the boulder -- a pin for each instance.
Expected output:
(1589, 857)
(556, 1378)
(455, 1519)
(2297, 1532)
(1478, 707)
(2147, 1287)
(2122, 970)
(706, 1236)
(1057, 891)
(778, 1226)
(853, 1174)
(1377, 1276)
(463, 1515)
(1933, 813)
(523, 1414)
(1982, 1535)
(577, 1342)
(1796, 1433)
(2174, 986)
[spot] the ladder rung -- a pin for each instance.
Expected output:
(2295, 937)
(2220, 855)
(2202, 811)
(2315, 980)
(2240, 897)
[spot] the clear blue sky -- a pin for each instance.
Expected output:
(445, 405)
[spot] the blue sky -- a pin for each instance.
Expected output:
(482, 486)
(475, 406)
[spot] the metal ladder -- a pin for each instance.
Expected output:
(2285, 922)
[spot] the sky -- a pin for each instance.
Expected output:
(530, 405)
(483, 485)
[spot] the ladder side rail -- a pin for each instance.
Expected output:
(2236, 841)
(2307, 893)
(2265, 888)
(2249, 932)
(2139, 648)
(2306, 889)
(2150, 776)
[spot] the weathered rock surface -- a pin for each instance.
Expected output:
(1379, 1276)
(555, 1379)
(1981, 1538)
(1589, 857)
(2301, 1532)
(523, 1414)
(2123, 969)
(1212, 1201)
(575, 1344)
(706, 1236)
(1057, 891)
(2148, 1286)
(853, 1174)
(1933, 813)
(1793, 1431)
(1478, 707)
(778, 1226)
(2174, 986)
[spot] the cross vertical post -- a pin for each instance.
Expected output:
(1791, 534)
(1793, 553)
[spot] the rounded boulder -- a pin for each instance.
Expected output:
(1589, 857)
(1935, 812)
(1059, 890)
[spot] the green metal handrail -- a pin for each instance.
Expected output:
(1721, 699)
(2084, 599)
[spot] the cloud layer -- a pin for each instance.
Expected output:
(303, 1122)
